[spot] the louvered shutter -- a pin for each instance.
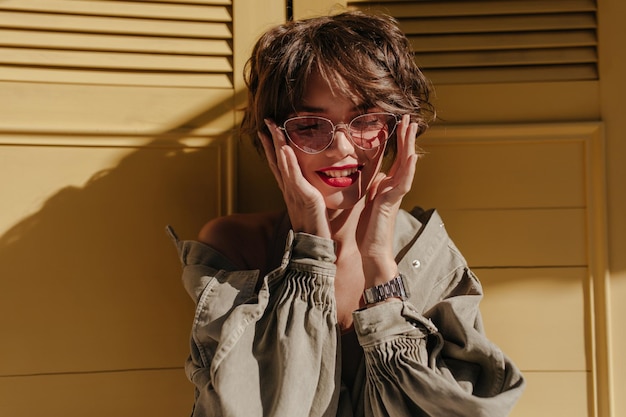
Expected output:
(490, 41)
(174, 43)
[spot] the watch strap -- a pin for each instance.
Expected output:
(397, 287)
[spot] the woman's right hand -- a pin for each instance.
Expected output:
(305, 204)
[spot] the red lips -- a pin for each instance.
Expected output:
(342, 176)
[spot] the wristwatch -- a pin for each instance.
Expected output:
(397, 287)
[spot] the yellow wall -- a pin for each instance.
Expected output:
(612, 87)
(99, 151)
(115, 120)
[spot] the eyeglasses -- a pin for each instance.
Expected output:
(313, 134)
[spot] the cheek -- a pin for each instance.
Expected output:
(305, 162)
(373, 160)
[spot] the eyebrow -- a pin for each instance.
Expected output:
(313, 109)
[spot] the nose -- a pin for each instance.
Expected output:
(342, 142)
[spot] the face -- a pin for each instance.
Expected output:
(342, 172)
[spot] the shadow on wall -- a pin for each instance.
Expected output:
(90, 282)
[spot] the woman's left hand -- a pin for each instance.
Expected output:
(377, 222)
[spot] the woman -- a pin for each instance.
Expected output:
(345, 305)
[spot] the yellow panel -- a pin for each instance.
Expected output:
(518, 102)
(257, 190)
(154, 393)
(519, 237)
(613, 84)
(552, 394)
(108, 61)
(109, 109)
(89, 279)
(500, 174)
(537, 316)
(618, 332)
(256, 187)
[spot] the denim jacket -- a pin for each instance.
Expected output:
(275, 350)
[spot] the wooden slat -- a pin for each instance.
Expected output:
(520, 238)
(496, 24)
(562, 73)
(472, 8)
(114, 25)
(155, 393)
(523, 307)
(87, 140)
(115, 78)
(530, 57)
(115, 61)
(205, 12)
(214, 2)
(121, 43)
(504, 41)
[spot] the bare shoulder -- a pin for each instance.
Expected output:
(244, 239)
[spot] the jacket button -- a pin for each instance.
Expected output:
(416, 263)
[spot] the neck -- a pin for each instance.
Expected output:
(344, 223)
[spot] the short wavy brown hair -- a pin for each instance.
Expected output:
(364, 57)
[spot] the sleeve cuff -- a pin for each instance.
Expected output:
(313, 249)
(387, 320)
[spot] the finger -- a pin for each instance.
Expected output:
(402, 172)
(278, 137)
(283, 152)
(406, 168)
(410, 137)
(405, 144)
(286, 161)
(409, 133)
(374, 186)
(274, 149)
(406, 181)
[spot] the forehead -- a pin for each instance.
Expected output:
(323, 95)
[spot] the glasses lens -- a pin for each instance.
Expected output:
(371, 130)
(309, 133)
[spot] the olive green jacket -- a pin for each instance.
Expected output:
(275, 351)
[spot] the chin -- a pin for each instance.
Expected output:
(343, 200)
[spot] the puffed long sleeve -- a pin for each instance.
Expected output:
(429, 355)
(266, 353)
(442, 365)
